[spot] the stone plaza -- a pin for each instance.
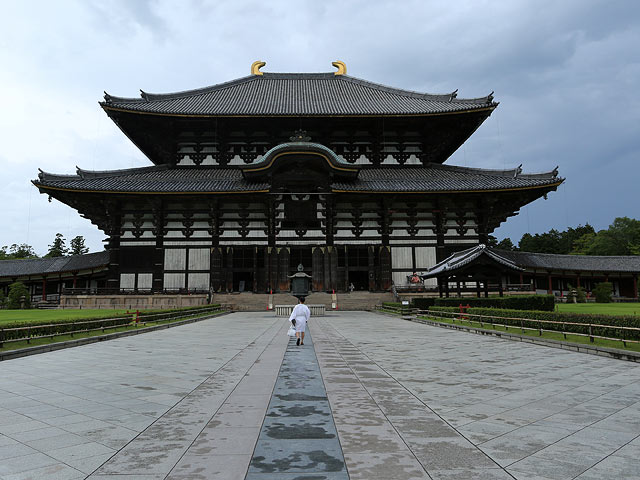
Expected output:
(367, 397)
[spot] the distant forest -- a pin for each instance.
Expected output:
(58, 248)
(621, 238)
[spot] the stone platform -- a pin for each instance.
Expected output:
(220, 399)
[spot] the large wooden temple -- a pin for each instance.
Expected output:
(256, 175)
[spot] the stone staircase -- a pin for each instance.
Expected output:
(256, 302)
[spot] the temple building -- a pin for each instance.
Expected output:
(252, 177)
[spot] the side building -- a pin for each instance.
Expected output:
(252, 177)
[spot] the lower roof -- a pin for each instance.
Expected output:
(419, 179)
(574, 263)
(53, 265)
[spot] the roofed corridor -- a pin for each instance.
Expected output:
(409, 401)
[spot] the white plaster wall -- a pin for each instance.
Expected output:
(199, 259)
(198, 281)
(145, 281)
(401, 257)
(425, 258)
(175, 259)
(127, 281)
(173, 280)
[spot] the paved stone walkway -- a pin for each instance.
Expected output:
(409, 402)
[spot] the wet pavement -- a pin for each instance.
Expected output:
(298, 438)
(367, 397)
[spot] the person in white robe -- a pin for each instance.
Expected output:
(300, 314)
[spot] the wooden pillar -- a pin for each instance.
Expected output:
(371, 274)
(318, 255)
(550, 289)
(500, 286)
(216, 269)
(635, 286)
(283, 269)
(229, 264)
(458, 288)
(478, 294)
(44, 287)
(486, 288)
(273, 269)
(75, 278)
(255, 269)
(440, 286)
(385, 268)
(332, 252)
(446, 287)
(521, 280)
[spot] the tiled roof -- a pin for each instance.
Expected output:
(444, 178)
(281, 94)
(464, 257)
(434, 178)
(573, 263)
(39, 266)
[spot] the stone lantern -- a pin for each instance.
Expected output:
(300, 283)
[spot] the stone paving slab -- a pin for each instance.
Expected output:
(409, 401)
(534, 412)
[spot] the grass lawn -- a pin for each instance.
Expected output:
(546, 335)
(34, 315)
(601, 308)
(61, 338)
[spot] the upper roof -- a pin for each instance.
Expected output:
(41, 266)
(419, 179)
(572, 263)
(285, 94)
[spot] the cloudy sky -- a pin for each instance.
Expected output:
(566, 74)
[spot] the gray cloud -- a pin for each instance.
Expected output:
(566, 74)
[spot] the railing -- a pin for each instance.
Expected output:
(520, 325)
(285, 310)
(402, 310)
(132, 291)
(52, 330)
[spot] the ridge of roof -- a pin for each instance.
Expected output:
(146, 97)
(514, 172)
(87, 174)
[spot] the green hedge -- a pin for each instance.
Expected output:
(513, 302)
(533, 315)
(424, 303)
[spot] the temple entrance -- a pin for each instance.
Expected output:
(359, 279)
(242, 281)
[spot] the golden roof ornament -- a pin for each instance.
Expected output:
(341, 66)
(256, 66)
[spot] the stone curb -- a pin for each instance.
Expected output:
(25, 352)
(574, 347)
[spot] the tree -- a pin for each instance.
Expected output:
(621, 238)
(506, 244)
(77, 246)
(603, 291)
(17, 252)
(58, 247)
(18, 290)
(555, 241)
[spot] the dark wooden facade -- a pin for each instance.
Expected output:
(258, 175)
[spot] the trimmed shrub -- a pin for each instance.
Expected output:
(423, 303)
(529, 317)
(17, 290)
(392, 304)
(603, 292)
(515, 302)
